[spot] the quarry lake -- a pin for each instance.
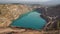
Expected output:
(30, 20)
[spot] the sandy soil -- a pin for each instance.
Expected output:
(24, 31)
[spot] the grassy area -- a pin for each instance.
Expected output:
(58, 24)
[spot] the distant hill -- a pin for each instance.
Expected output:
(53, 11)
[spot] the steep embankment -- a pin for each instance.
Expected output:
(9, 12)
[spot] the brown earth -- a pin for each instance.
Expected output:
(24, 31)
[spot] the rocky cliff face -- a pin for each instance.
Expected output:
(52, 14)
(11, 12)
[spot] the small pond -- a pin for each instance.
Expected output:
(30, 20)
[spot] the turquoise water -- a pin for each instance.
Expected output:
(30, 20)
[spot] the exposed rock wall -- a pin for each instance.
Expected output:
(53, 14)
(11, 12)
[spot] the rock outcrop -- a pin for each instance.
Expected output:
(11, 12)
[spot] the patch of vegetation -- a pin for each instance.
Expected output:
(58, 24)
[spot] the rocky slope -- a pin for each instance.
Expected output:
(9, 12)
